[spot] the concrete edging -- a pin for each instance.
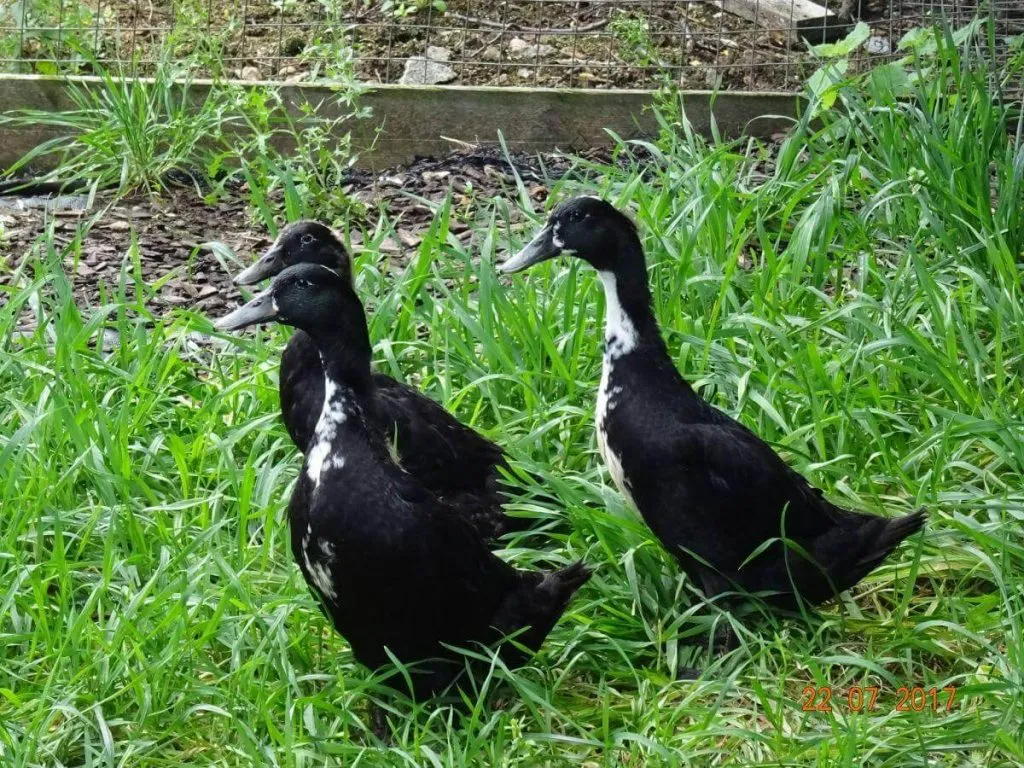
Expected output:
(421, 120)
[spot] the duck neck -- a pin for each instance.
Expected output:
(347, 388)
(629, 318)
(346, 361)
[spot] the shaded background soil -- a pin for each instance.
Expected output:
(170, 230)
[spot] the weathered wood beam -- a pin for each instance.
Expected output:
(796, 20)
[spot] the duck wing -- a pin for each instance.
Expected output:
(432, 445)
(453, 461)
(721, 492)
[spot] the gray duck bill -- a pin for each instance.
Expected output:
(268, 265)
(541, 248)
(261, 309)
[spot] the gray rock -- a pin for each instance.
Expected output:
(520, 49)
(878, 45)
(428, 70)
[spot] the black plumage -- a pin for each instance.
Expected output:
(710, 489)
(396, 568)
(452, 460)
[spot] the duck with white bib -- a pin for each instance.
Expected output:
(712, 491)
(395, 569)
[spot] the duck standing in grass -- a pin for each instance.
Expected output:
(396, 569)
(452, 460)
(718, 497)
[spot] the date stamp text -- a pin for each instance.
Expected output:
(871, 698)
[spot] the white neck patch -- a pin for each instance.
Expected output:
(620, 339)
(320, 458)
(619, 332)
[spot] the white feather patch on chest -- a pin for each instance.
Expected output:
(607, 400)
(620, 339)
(321, 458)
(319, 566)
(620, 335)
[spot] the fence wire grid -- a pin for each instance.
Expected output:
(732, 44)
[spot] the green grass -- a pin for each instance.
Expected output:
(858, 302)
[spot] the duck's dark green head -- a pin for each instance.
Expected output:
(304, 242)
(585, 227)
(307, 296)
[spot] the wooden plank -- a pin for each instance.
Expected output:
(410, 120)
(795, 20)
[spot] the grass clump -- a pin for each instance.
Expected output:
(853, 295)
(143, 135)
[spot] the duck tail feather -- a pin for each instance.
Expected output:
(879, 547)
(538, 604)
(895, 531)
(563, 583)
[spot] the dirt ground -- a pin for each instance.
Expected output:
(170, 229)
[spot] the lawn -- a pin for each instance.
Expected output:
(853, 293)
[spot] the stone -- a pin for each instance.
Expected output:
(251, 73)
(878, 45)
(429, 69)
(520, 49)
(408, 239)
(491, 53)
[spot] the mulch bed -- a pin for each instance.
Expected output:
(170, 229)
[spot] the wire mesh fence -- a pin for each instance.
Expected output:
(731, 44)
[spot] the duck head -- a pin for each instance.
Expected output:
(593, 230)
(304, 242)
(308, 296)
(585, 227)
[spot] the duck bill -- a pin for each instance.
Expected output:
(541, 248)
(268, 265)
(261, 309)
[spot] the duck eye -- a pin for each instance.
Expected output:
(307, 239)
(304, 283)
